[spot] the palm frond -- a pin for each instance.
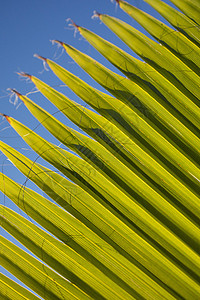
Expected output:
(124, 224)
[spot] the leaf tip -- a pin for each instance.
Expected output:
(74, 24)
(23, 74)
(117, 1)
(58, 42)
(40, 57)
(96, 14)
(5, 116)
(16, 92)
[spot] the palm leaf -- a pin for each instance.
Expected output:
(125, 224)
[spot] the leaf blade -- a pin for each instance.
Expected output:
(11, 290)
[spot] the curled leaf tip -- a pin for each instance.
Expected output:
(23, 74)
(40, 57)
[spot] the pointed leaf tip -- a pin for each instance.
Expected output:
(96, 14)
(16, 92)
(58, 42)
(40, 57)
(74, 24)
(23, 74)
(117, 1)
(5, 116)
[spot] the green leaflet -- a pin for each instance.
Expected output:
(194, 3)
(111, 81)
(172, 39)
(129, 223)
(181, 22)
(114, 110)
(149, 166)
(142, 73)
(190, 8)
(73, 233)
(136, 249)
(60, 159)
(62, 258)
(41, 210)
(105, 163)
(145, 76)
(40, 278)
(9, 289)
(151, 260)
(71, 197)
(156, 55)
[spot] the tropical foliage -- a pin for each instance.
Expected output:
(126, 223)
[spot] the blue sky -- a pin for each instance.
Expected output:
(26, 28)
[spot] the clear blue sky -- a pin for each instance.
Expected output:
(26, 28)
